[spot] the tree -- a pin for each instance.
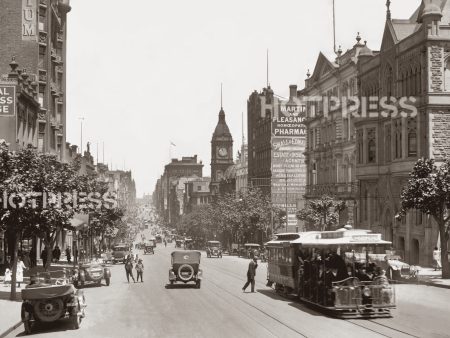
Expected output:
(36, 187)
(322, 214)
(428, 190)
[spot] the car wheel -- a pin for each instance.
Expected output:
(76, 321)
(108, 281)
(390, 274)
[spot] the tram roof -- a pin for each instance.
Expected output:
(340, 237)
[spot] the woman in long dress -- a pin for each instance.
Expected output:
(19, 272)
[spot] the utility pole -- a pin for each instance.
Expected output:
(81, 145)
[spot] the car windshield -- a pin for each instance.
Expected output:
(120, 248)
(213, 244)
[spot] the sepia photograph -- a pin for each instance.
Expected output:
(225, 169)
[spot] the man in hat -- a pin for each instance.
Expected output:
(251, 272)
(139, 270)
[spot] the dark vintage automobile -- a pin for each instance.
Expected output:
(188, 243)
(149, 247)
(90, 273)
(120, 253)
(213, 249)
(186, 267)
(178, 243)
(45, 303)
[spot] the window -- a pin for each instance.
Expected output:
(398, 138)
(360, 147)
(371, 146)
(387, 137)
(447, 75)
(419, 219)
(412, 144)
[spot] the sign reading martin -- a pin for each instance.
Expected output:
(7, 100)
(288, 119)
(29, 20)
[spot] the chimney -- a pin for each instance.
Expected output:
(292, 92)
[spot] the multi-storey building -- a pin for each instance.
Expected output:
(276, 143)
(330, 150)
(413, 62)
(197, 192)
(35, 32)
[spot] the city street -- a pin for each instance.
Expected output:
(220, 309)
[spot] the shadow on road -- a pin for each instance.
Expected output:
(180, 286)
(292, 301)
(42, 328)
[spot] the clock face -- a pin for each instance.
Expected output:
(223, 152)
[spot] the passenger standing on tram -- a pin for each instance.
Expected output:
(251, 272)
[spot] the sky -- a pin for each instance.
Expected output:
(144, 73)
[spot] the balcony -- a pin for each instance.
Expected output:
(339, 190)
(60, 36)
(53, 54)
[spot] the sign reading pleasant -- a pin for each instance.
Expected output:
(7, 100)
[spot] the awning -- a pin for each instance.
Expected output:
(79, 221)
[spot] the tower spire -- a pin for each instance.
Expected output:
(267, 68)
(334, 29)
(221, 97)
(388, 11)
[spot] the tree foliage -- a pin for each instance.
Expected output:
(322, 214)
(428, 190)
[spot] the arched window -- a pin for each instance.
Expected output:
(447, 75)
(371, 151)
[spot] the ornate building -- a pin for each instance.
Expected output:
(35, 31)
(414, 61)
(330, 150)
(221, 152)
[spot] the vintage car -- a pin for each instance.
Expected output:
(213, 248)
(186, 267)
(44, 303)
(188, 243)
(178, 243)
(120, 253)
(398, 270)
(90, 273)
(158, 238)
(149, 247)
(250, 250)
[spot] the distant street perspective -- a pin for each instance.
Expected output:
(225, 168)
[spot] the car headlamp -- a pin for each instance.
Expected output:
(366, 292)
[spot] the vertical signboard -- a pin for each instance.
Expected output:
(29, 20)
(288, 161)
(7, 100)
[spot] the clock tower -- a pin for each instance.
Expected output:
(221, 152)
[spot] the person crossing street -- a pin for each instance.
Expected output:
(251, 272)
(129, 269)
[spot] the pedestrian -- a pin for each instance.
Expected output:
(56, 254)
(139, 270)
(27, 260)
(44, 257)
(129, 269)
(165, 242)
(19, 271)
(33, 256)
(69, 257)
(251, 272)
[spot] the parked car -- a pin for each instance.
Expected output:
(396, 269)
(213, 248)
(90, 273)
(186, 267)
(120, 253)
(45, 303)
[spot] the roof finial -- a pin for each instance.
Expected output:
(221, 105)
(358, 38)
(388, 12)
(308, 74)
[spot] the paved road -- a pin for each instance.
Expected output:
(220, 309)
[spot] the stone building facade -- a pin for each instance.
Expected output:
(330, 149)
(413, 62)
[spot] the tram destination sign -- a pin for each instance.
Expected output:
(366, 238)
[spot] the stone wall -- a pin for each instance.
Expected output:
(440, 126)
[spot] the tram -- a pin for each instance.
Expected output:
(337, 272)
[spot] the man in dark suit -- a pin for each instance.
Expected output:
(251, 274)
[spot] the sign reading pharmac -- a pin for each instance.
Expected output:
(29, 20)
(7, 100)
(289, 119)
